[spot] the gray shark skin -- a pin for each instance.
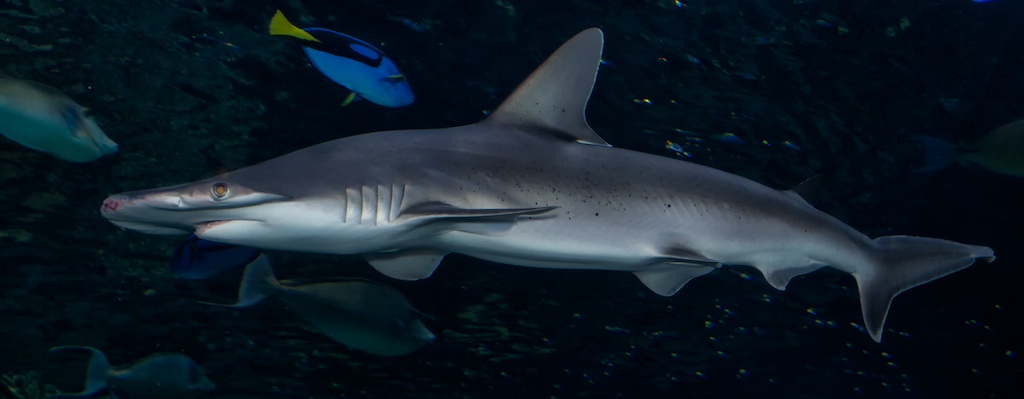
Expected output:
(533, 185)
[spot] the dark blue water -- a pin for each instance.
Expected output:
(774, 91)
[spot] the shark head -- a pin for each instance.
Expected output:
(192, 207)
(284, 203)
(240, 207)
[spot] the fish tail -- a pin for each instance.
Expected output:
(279, 25)
(938, 153)
(905, 262)
(96, 376)
(258, 282)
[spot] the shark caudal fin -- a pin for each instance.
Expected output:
(906, 262)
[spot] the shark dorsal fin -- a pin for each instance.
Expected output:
(554, 97)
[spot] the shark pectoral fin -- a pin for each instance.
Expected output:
(487, 222)
(444, 211)
(666, 279)
(410, 264)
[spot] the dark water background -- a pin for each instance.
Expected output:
(193, 88)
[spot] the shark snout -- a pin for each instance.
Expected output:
(148, 213)
(122, 203)
(111, 204)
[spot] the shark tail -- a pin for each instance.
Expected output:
(258, 282)
(905, 262)
(97, 373)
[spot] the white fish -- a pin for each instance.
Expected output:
(157, 376)
(361, 314)
(42, 118)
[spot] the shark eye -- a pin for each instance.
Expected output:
(219, 190)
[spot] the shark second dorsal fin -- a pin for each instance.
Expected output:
(554, 97)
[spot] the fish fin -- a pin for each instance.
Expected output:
(198, 259)
(410, 264)
(554, 97)
(97, 372)
(904, 262)
(808, 189)
(779, 276)
(440, 210)
(393, 78)
(351, 98)
(280, 26)
(667, 278)
(258, 282)
(679, 255)
(939, 154)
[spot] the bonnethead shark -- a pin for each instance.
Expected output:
(533, 185)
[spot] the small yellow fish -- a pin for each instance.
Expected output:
(42, 118)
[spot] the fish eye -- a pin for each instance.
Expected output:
(219, 190)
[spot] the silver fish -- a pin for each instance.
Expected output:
(42, 118)
(157, 376)
(361, 314)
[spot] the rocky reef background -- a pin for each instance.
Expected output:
(773, 90)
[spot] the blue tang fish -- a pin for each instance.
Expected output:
(199, 259)
(350, 62)
(157, 376)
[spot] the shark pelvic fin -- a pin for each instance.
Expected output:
(666, 280)
(554, 98)
(779, 277)
(412, 264)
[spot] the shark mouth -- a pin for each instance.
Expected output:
(148, 228)
(203, 227)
